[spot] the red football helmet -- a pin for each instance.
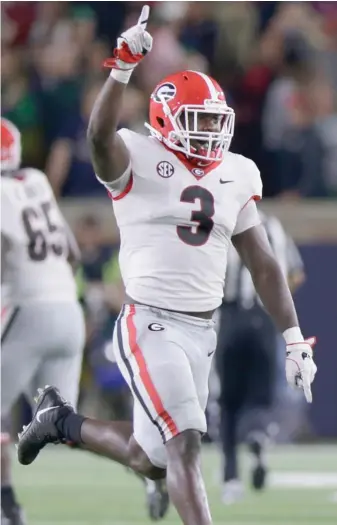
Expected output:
(175, 105)
(10, 146)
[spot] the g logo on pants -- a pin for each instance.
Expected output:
(156, 327)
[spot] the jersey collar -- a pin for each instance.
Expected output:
(194, 166)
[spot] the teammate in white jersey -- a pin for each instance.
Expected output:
(179, 197)
(42, 327)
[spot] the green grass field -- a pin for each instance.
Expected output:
(69, 487)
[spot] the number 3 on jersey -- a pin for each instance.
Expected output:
(197, 236)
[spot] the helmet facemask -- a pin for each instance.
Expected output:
(185, 133)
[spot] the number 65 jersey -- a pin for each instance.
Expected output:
(35, 245)
(176, 222)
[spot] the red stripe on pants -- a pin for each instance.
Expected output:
(145, 376)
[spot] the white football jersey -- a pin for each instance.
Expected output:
(36, 266)
(176, 224)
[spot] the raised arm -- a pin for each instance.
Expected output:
(109, 154)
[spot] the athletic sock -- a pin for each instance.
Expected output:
(70, 426)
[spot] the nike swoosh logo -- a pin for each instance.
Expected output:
(43, 411)
(210, 353)
(225, 181)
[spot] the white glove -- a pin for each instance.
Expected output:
(300, 367)
(132, 45)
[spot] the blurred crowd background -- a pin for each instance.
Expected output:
(277, 62)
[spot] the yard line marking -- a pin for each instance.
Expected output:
(298, 480)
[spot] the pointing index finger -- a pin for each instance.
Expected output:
(307, 389)
(144, 17)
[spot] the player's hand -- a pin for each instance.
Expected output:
(132, 45)
(300, 366)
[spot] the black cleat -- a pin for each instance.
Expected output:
(157, 498)
(257, 445)
(259, 474)
(15, 516)
(42, 429)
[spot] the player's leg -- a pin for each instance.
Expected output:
(152, 356)
(149, 439)
(115, 440)
(166, 403)
(260, 392)
(160, 376)
(54, 417)
(55, 421)
(230, 381)
(229, 435)
(184, 477)
(61, 344)
(121, 406)
(232, 398)
(11, 512)
(233, 369)
(61, 368)
(18, 364)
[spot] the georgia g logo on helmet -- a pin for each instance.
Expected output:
(165, 92)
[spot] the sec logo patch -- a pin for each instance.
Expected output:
(165, 169)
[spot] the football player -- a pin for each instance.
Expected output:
(42, 326)
(179, 197)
